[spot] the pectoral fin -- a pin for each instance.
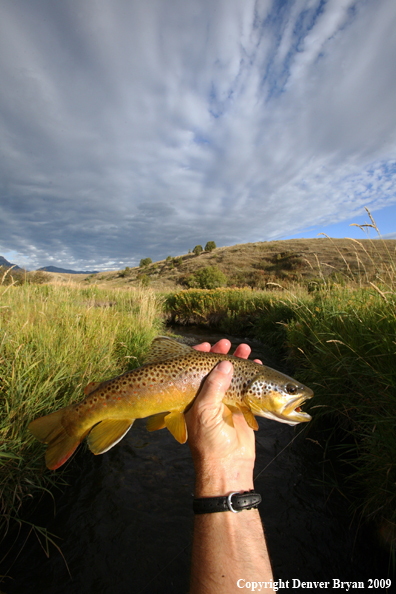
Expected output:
(253, 406)
(176, 424)
(249, 417)
(156, 422)
(227, 416)
(107, 434)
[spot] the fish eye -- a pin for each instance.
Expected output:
(291, 389)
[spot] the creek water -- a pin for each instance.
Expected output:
(124, 523)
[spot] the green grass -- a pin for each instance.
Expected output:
(54, 340)
(344, 348)
(340, 337)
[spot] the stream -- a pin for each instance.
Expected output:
(124, 523)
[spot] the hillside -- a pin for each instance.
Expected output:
(6, 264)
(259, 264)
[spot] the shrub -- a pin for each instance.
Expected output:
(145, 262)
(210, 246)
(39, 277)
(197, 250)
(144, 280)
(125, 272)
(209, 277)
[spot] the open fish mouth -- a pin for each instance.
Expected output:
(293, 409)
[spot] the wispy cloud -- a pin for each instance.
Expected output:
(131, 129)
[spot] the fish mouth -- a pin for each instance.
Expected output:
(293, 409)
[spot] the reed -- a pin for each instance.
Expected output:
(54, 340)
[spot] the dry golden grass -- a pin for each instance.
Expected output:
(257, 264)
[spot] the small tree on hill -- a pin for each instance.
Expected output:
(197, 250)
(210, 246)
(145, 262)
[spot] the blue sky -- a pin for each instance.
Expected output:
(384, 220)
(131, 129)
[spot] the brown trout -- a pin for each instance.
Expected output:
(163, 389)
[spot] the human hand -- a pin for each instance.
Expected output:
(222, 444)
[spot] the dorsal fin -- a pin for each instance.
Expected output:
(91, 387)
(163, 348)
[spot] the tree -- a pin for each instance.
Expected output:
(145, 262)
(197, 250)
(210, 246)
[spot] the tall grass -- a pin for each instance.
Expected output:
(341, 339)
(236, 310)
(344, 344)
(54, 340)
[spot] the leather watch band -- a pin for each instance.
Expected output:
(234, 502)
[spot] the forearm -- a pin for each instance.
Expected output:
(227, 547)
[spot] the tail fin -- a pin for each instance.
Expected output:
(49, 429)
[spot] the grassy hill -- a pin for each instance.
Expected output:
(258, 265)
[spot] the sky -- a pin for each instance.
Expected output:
(133, 129)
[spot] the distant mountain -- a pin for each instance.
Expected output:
(65, 271)
(7, 264)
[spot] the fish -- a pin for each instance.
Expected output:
(163, 389)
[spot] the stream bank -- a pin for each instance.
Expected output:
(125, 521)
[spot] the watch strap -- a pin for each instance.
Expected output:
(234, 502)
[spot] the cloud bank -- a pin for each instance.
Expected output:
(131, 129)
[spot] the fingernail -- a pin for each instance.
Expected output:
(225, 367)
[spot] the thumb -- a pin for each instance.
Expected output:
(216, 385)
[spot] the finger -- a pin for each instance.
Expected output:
(204, 346)
(215, 386)
(242, 351)
(221, 347)
(258, 361)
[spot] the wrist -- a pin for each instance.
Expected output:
(216, 482)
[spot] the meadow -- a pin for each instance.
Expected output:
(335, 328)
(54, 340)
